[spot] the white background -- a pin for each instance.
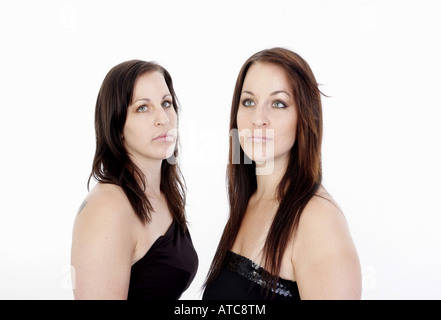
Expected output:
(378, 60)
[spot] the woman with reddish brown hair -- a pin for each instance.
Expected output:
(286, 237)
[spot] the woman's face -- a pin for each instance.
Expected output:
(150, 129)
(267, 114)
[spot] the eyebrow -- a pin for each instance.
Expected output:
(147, 99)
(272, 93)
(280, 91)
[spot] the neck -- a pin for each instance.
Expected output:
(152, 174)
(268, 178)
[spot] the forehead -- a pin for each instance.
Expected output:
(266, 75)
(150, 83)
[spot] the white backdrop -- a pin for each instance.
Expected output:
(378, 60)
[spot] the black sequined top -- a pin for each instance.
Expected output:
(242, 279)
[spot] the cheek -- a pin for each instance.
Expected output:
(173, 118)
(240, 120)
(288, 135)
(242, 128)
(132, 128)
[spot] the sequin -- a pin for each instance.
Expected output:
(253, 272)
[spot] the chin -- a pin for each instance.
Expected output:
(262, 159)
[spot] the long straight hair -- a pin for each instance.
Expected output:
(111, 163)
(303, 174)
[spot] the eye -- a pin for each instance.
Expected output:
(248, 103)
(142, 108)
(278, 105)
(166, 104)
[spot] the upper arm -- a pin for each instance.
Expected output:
(101, 254)
(325, 259)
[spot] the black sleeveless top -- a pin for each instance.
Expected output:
(242, 279)
(167, 269)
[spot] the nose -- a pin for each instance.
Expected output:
(260, 117)
(161, 117)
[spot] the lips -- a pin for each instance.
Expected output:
(259, 138)
(165, 137)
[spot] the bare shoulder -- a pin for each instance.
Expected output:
(322, 211)
(324, 255)
(103, 244)
(322, 225)
(105, 211)
(103, 197)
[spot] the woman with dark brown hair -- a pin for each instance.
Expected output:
(130, 237)
(286, 237)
